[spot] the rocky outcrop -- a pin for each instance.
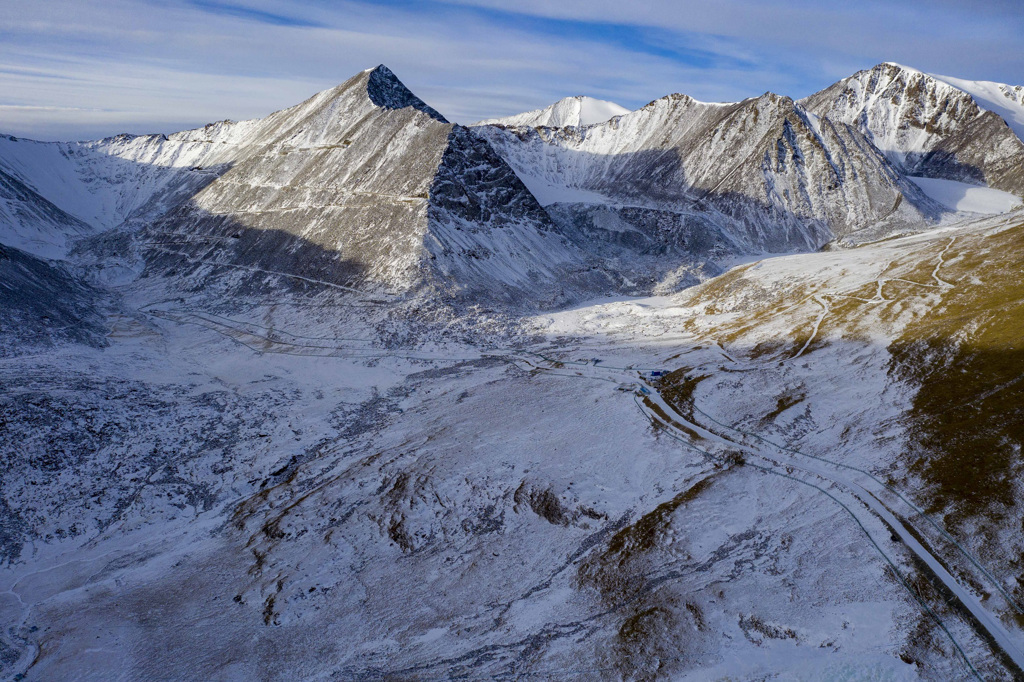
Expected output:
(387, 92)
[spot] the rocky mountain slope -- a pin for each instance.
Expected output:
(774, 176)
(934, 127)
(709, 181)
(361, 186)
(650, 200)
(46, 306)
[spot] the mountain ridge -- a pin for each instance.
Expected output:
(927, 126)
(690, 180)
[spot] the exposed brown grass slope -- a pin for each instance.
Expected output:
(966, 355)
(952, 308)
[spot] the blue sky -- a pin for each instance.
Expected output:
(80, 69)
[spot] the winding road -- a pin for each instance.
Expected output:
(857, 491)
(870, 502)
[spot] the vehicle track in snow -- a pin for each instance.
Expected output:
(861, 497)
(935, 272)
(251, 268)
(866, 502)
(984, 619)
(879, 489)
(769, 466)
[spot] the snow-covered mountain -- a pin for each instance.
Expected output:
(774, 176)
(630, 199)
(934, 126)
(360, 188)
(362, 185)
(353, 392)
(569, 111)
(1005, 100)
(771, 174)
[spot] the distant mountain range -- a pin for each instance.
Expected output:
(365, 185)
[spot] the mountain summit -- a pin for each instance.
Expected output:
(361, 185)
(933, 126)
(570, 111)
(386, 91)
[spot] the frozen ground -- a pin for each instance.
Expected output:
(403, 519)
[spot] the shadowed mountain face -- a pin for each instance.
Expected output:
(928, 127)
(44, 305)
(387, 92)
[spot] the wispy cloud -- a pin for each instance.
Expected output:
(253, 14)
(30, 107)
(93, 68)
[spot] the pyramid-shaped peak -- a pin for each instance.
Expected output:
(386, 91)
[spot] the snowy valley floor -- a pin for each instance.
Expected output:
(263, 494)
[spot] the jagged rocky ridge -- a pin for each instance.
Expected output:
(361, 186)
(366, 186)
(929, 127)
(769, 174)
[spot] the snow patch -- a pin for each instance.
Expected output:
(960, 196)
(598, 111)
